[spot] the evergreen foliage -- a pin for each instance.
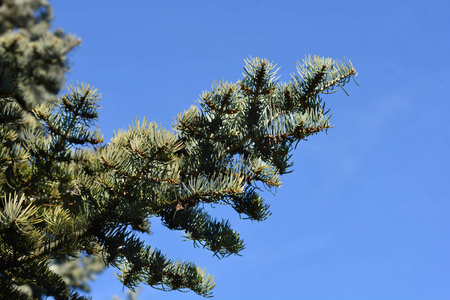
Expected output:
(66, 193)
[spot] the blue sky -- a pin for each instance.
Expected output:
(365, 214)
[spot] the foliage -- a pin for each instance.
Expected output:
(69, 195)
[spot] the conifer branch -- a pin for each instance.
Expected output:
(97, 199)
(338, 80)
(313, 84)
(47, 251)
(73, 45)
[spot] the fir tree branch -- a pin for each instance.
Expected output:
(337, 81)
(75, 115)
(312, 85)
(70, 47)
(47, 250)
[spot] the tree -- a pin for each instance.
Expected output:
(67, 194)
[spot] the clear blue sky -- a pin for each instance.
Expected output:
(365, 215)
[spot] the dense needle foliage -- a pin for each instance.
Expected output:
(66, 193)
